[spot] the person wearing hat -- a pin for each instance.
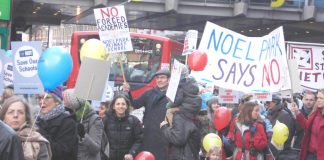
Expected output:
(90, 126)
(57, 126)
(154, 101)
(277, 111)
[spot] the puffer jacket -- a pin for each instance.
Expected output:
(183, 137)
(124, 134)
(10, 145)
(89, 147)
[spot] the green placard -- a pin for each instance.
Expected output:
(5, 6)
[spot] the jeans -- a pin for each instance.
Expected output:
(311, 156)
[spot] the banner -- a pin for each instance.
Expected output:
(113, 28)
(2, 55)
(247, 64)
(25, 59)
(310, 62)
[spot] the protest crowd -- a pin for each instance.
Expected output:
(67, 127)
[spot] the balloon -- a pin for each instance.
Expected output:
(197, 60)
(280, 133)
(211, 140)
(277, 3)
(93, 48)
(222, 117)
(54, 67)
(9, 53)
(144, 155)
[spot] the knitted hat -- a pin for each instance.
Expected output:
(276, 97)
(71, 101)
(57, 93)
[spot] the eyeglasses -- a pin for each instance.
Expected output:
(46, 98)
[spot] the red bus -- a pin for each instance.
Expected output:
(149, 54)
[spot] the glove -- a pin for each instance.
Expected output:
(81, 130)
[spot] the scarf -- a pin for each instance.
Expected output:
(55, 112)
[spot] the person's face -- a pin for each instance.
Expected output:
(15, 116)
(270, 105)
(320, 100)
(47, 103)
(162, 81)
(102, 110)
(256, 112)
(309, 100)
(214, 156)
(214, 106)
(120, 107)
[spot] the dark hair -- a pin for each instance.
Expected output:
(245, 116)
(111, 105)
(12, 100)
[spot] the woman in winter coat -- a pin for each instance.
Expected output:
(90, 126)
(124, 131)
(16, 114)
(313, 141)
(248, 134)
(57, 126)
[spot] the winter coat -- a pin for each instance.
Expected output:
(35, 147)
(154, 101)
(10, 145)
(89, 147)
(184, 137)
(259, 140)
(307, 126)
(299, 131)
(124, 134)
(280, 114)
(187, 96)
(61, 132)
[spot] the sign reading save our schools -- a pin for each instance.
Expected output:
(248, 64)
(113, 28)
(7, 70)
(26, 55)
(310, 62)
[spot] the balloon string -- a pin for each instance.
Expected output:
(32, 127)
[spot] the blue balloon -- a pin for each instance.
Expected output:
(54, 67)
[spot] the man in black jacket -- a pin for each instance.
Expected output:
(154, 101)
(10, 145)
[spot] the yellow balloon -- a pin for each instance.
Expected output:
(280, 133)
(93, 48)
(277, 3)
(211, 140)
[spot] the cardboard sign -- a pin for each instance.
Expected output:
(310, 64)
(190, 42)
(25, 60)
(228, 96)
(92, 79)
(113, 28)
(247, 64)
(174, 80)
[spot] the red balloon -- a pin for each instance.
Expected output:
(144, 155)
(222, 117)
(197, 60)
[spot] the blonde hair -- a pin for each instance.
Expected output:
(215, 149)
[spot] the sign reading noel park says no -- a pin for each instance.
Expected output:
(248, 64)
(113, 28)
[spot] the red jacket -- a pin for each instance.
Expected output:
(307, 126)
(260, 140)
